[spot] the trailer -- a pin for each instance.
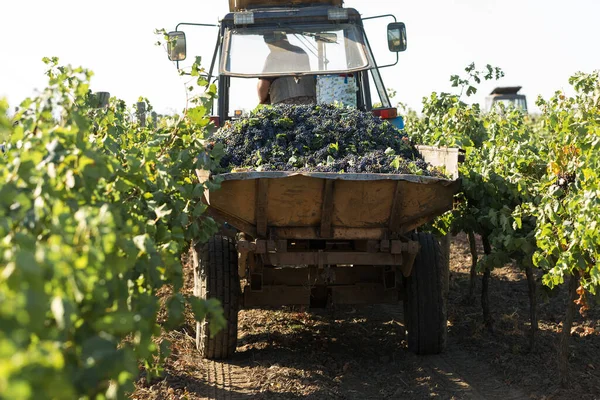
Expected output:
(317, 239)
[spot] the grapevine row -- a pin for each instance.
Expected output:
(530, 185)
(95, 214)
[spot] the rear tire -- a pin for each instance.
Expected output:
(216, 276)
(425, 302)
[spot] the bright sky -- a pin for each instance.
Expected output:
(538, 43)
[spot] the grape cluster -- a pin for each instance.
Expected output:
(317, 138)
(564, 179)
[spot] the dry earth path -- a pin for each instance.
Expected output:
(343, 354)
(360, 353)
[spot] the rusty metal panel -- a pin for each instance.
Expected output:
(295, 205)
(227, 199)
(262, 201)
(327, 210)
(362, 204)
(238, 223)
(295, 200)
(394, 223)
(421, 203)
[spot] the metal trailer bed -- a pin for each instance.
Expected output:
(319, 238)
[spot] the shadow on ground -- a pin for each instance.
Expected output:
(360, 353)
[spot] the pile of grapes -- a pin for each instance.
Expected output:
(317, 138)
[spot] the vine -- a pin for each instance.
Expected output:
(530, 187)
(95, 213)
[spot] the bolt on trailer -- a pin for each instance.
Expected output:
(315, 239)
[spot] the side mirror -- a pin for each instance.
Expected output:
(396, 33)
(176, 46)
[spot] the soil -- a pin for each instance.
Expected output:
(360, 352)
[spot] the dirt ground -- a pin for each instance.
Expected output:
(360, 352)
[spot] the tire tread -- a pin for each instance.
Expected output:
(425, 303)
(216, 276)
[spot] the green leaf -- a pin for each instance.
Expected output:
(175, 308)
(198, 115)
(199, 209)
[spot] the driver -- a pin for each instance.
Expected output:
(285, 57)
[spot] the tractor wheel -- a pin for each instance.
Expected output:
(216, 277)
(425, 298)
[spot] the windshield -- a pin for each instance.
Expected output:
(518, 102)
(297, 50)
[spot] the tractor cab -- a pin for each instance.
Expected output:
(317, 44)
(507, 95)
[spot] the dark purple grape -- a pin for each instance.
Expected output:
(323, 138)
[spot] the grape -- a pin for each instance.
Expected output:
(318, 138)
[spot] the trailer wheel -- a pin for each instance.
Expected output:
(216, 276)
(425, 302)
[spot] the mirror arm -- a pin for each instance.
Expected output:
(391, 65)
(383, 96)
(381, 16)
(193, 24)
